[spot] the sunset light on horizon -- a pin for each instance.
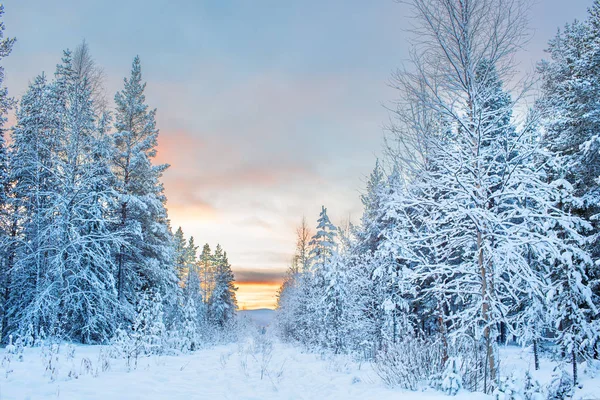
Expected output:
(255, 295)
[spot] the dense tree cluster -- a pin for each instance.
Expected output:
(481, 225)
(86, 247)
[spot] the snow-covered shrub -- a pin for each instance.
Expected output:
(223, 359)
(70, 351)
(340, 363)
(470, 361)
(73, 374)
(87, 367)
(532, 388)
(451, 379)
(10, 347)
(262, 352)
(561, 386)
(104, 360)
(50, 360)
(515, 388)
(127, 344)
(409, 363)
(509, 388)
(19, 348)
(592, 368)
(9, 353)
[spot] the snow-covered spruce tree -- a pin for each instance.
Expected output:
(145, 262)
(314, 284)
(31, 302)
(571, 306)
(569, 102)
(323, 243)
(393, 291)
(189, 329)
(148, 328)
(62, 196)
(193, 288)
(180, 255)
(86, 241)
(7, 223)
(371, 224)
(571, 110)
(222, 300)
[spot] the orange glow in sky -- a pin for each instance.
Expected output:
(253, 295)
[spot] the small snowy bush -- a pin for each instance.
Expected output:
(104, 360)
(561, 386)
(408, 363)
(50, 360)
(451, 379)
(509, 388)
(514, 388)
(532, 388)
(592, 368)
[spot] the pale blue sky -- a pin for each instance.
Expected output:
(267, 109)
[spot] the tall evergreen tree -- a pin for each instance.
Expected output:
(222, 302)
(7, 224)
(31, 298)
(145, 263)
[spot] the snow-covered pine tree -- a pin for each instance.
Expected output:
(571, 113)
(193, 286)
(7, 225)
(392, 288)
(189, 325)
(368, 233)
(86, 242)
(31, 304)
(569, 102)
(314, 284)
(222, 301)
(206, 269)
(180, 255)
(323, 244)
(145, 263)
(148, 328)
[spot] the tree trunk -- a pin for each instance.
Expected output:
(442, 324)
(536, 356)
(490, 356)
(574, 361)
(120, 263)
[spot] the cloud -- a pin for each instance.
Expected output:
(253, 276)
(256, 222)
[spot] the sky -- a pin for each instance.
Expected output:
(267, 109)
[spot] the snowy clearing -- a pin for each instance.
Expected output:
(226, 372)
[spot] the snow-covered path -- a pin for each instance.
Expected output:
(229, 372)
(224, 372)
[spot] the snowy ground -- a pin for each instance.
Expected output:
(223, 372)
